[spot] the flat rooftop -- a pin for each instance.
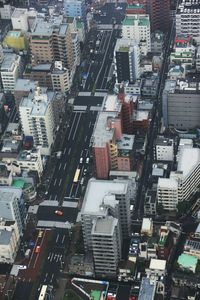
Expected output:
(112, 104)
(157, 264)
(18, 12)
(126, 142)
(8, 61)
(104, 226)
(188, 159)
(102, 133)
(25, 85)
(147, 289)
(5, 237)
(99, 190)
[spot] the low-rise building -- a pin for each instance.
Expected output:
(147, 227)
(192, 247)
(187, 262)
(164, 149)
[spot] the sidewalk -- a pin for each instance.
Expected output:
(60, 292)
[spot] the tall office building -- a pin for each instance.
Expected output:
(137, 27)
(106, 235)
(75, 8)
(37, 118)
(188, 18)
(181, 105)
(127, 60)
(159, 11)
(52, 41)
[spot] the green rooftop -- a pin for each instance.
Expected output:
(187, 261)
(130, 21)
(95, 295)
(18, 183)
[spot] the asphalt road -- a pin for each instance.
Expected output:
(110, 11)
(101, 59)
(75, 147)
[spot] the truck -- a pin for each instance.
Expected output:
(58, 154)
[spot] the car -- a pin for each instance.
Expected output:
(81, 160)
(37, 249)
(59, 212)
(87, 160)
(40, 234)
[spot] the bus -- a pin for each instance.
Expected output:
(76, 176)
(43, 293)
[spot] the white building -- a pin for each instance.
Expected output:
(127, 60)
(137, 27)
(19, 19)
(10, 203)
(9, 69)
(9, 241)
(188, 18)
(164, 149)
(30, 161)
(61, 78)
(182, 183)
(147, 227)
(37, 119)
(6, 12)
(106, 235)
(101, 197)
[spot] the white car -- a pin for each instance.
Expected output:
(81, 160)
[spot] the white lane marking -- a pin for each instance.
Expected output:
(72, 126)
(60, 182)
(59, 166)
(63, 239)
(65, 151)
(65, 166)
(57, 238)
(69, 151)
(55, 181)
(76, 127)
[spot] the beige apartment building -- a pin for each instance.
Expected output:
(52, 41)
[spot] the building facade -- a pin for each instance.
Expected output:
(10, 69)
(127, 60)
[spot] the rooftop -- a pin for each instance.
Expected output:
(162, 141)
(5, 237)
(18, 12)
(99, 191)
(13, 33)
(147, 289)
(8, 61)
(102, 133)
(157, 264)
(141, 20)
(187, 261)
(188, 159)
(126, 142)
(105, 226)
(25, 85)
(111, 104)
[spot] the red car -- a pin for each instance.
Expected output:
(37, 249)
(59, 212)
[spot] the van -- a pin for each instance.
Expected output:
(87, 160)
(81, 160)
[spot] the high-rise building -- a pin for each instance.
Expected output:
(75, 8)
(112, 149)
(127, 60)
(53, 41)
(105, 218)
(184, 182)
(188, 18)
(159, 11)
(137, 27)
(37, 118)
(181, 105)
(106, 235)
(113, 198)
